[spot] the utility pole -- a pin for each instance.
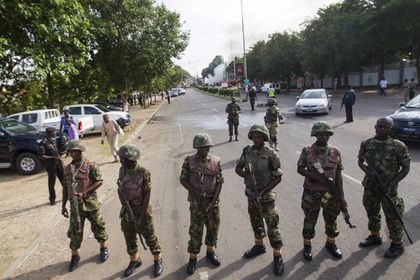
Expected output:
(243, 43)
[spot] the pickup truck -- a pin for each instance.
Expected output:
(41, 119)
(96, 112)
(20, 146)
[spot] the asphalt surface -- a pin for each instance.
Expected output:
(167, 140)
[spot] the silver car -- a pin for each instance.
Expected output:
(313, 101)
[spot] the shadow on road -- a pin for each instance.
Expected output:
(46, 272)
(225, 272)
(8, 213)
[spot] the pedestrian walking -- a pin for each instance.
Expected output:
(412, 89)
(161, 95)
(168, 97)
(271, 92)
(259, 165)
(348, 101)
(111, 130)
(82, 178)
(63, 120)
(202, 176)
(272, 119)
(233, 109)
(383, 84)
(134, 188)
(72, 130)
(54, 165)
(317, 193)
(389, 159)
(252, 97)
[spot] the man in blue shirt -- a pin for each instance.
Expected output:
(349, 99)
(63, 122)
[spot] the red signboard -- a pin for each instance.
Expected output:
(239, 69)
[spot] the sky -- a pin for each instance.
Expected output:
(215, 25)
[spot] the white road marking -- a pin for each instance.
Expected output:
(214, 110)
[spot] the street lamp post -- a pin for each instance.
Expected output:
(243, 44)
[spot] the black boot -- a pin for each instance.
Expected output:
(333, 250)
(278, 266)
(370, 241)
(73, 262)
(104, 254)
(236, 138)
(131, 267)
(307, 252)
(157, 268)
(192, 266)
(211, 256)
(255, 251)
(230, 138)
(394, 251)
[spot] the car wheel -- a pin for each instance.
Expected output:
(297, 114)
(28, 164)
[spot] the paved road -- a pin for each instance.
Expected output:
(168, 139)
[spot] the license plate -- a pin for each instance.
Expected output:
(409, 129)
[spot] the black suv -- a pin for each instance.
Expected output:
(19, 146)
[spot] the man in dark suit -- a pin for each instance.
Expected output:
(349, 99)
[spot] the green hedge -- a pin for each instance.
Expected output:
(221, 91)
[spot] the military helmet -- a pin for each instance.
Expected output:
(234, 99)
(76, 145)
(129, 151)
(321, 127)
(271, 101)
(202, 140)
(261, 129)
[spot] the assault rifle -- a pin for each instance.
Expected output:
(74, 201)
(384, 191)
(126, 205)
(203, 191)
(334, 191)
(256, 199)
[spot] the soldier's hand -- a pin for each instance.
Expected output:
(79, 195)
(64, 212)
(343, 204)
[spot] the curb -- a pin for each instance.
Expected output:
(34, 245)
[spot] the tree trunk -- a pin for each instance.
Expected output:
(322, 80)
(50, 90)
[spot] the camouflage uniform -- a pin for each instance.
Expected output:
(135, 183)
(266, 164)
(212, 177)
(272, 119)
(88, 174)
(233, 117)
(387, 157)
(316, 195)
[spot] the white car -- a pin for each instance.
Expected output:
(96, 112)
(313, 101)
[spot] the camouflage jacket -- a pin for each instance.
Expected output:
(135, 183)
(266, 165)
(88, 174)
(272, 115)
(387, 157)
(186, 170)
(233, 109)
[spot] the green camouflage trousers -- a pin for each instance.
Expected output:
(146, 229)
(233, 123)
(372, 200)
(268, 212)
(97, 225)
(272, 129)
(311, 205)
(198, 219)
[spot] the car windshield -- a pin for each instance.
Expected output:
(313, 94)
(102, 108)
(15, 127)
(414, 103)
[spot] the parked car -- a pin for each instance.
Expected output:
(39, 119)
(181, 91)
(20, 146)
(96, 112)
(407, 121)
(110, 106)
(313, 101)
(173, 93)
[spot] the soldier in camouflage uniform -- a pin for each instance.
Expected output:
(389, 157)
(260, 166)
(202, 176)
(272, 119)
(88, 178)
(316, 193)
(134, 182)
(233, 110)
